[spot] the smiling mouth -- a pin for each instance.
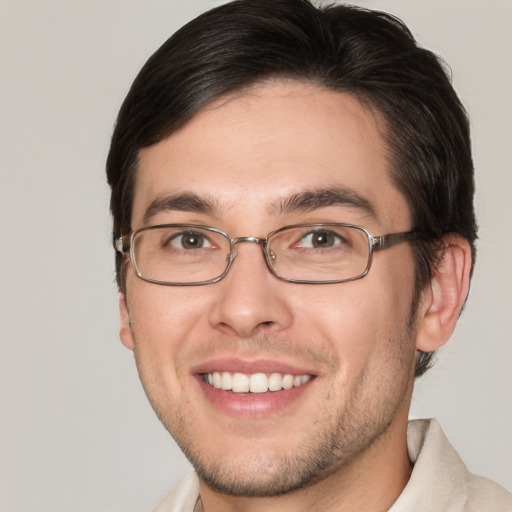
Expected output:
(255, 383)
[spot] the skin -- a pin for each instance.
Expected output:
(344, 433)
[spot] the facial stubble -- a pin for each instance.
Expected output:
(336, 440)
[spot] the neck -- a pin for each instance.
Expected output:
(372, 482)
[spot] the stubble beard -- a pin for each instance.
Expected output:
(333, 445)
(337, 440)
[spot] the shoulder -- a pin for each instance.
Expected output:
(182, 498)
(485, 495)
(440, 481)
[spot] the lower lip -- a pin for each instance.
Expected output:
(252, 405)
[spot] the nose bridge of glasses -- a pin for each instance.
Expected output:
(262, 242)
(250, 239)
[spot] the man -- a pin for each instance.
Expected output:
(292, 194)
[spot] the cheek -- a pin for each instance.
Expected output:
(359, 319)
(163, 319)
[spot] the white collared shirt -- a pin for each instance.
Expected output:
(440, 481)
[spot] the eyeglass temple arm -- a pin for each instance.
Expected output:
(384, 241)
(122, 244)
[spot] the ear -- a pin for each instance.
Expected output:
(443, 299)
(125, 331)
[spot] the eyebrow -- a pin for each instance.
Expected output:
(185, 202)
(321, 198)
(307, 200)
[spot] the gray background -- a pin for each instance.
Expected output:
(76, 433)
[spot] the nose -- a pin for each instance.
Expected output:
(250, 298)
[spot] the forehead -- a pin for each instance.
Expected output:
(254, 150)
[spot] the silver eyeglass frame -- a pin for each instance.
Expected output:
(124, 245)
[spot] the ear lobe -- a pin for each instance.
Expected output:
(125, 331)
(443, 299)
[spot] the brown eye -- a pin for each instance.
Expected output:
(189, 241)
(320, 240)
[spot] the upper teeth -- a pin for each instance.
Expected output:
(255, 383)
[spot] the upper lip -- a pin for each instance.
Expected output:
(250, 366)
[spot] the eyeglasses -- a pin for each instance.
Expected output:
(189, 255)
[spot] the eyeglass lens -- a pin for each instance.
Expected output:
(185, 254)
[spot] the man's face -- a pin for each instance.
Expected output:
(245, 157)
